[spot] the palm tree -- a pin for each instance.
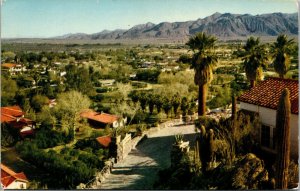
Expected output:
(254, 58)
(202, 62)
(281, 50)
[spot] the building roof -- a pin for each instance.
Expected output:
(14, 111)
(13, 115)
(8, 176)
(104, 140)
(99, 117)
(267, 93)
(8, 65)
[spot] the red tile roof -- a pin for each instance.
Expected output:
(11, 112)
(8, 65)
(8, 176)
(268, 92)
(104, 141)
(13, 115)
(100, 117)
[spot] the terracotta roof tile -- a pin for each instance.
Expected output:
(104, 141)
(8, 65)
(7, 113)
(8, 176)
(267, 93)
(7, 170)
(7, 118)
(6, 181)
(10, 115)
(20, 176)
(100, 117)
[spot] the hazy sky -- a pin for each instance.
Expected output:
(47, 18)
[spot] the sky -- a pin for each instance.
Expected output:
(49, 18)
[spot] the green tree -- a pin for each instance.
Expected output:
(38, 101)
(8, 91)
(282, 50)
(151, 102)
(143, 99)
(202, 62)
(158, 102)
(8, 56)
(167, 106)
(176, 103)
(79, 79)
(254, 58)
(69, 105)
(184, 106)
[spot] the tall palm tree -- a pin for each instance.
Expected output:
(254, 58)
(202, 62)
(281, 51)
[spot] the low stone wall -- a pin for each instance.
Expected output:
(125, 146)
(99, 176)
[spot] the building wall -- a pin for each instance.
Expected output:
(268, 117)
(96, 124)
(17, 185)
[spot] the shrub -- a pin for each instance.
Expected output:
(102, 90)
(45, 138)
(152, 119)
(91, 160)
(65, 172)
(139, 117)
(139, 84)
(9, 135)
(98, 97)
(207, 122)
(293, 177)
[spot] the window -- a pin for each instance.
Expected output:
(265, 136)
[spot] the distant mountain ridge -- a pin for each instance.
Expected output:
(220, 25)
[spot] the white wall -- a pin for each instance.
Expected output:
(17, 185)
(115, 124)
(268, 117)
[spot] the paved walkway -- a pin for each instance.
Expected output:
(139, 169)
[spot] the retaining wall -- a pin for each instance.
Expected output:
(124, 148)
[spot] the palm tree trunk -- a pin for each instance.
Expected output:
(252, 83)
(202, 100)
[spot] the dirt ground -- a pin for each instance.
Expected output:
(139, 169)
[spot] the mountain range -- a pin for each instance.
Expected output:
(221, 25)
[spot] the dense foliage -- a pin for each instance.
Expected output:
(67, 168)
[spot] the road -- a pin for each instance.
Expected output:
(139, 169)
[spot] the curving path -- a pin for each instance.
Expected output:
(139, 169)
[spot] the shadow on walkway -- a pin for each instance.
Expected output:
(139, 169)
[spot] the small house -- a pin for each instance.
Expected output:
(263, 99)
(104, 141)
(13, 68)
(106, 83)
(14, 117)
(147, 64)
(11, 179)
(102, 120)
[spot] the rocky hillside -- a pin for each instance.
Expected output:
(221, 25)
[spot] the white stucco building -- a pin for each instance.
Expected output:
(263, 99)
(11, 179)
